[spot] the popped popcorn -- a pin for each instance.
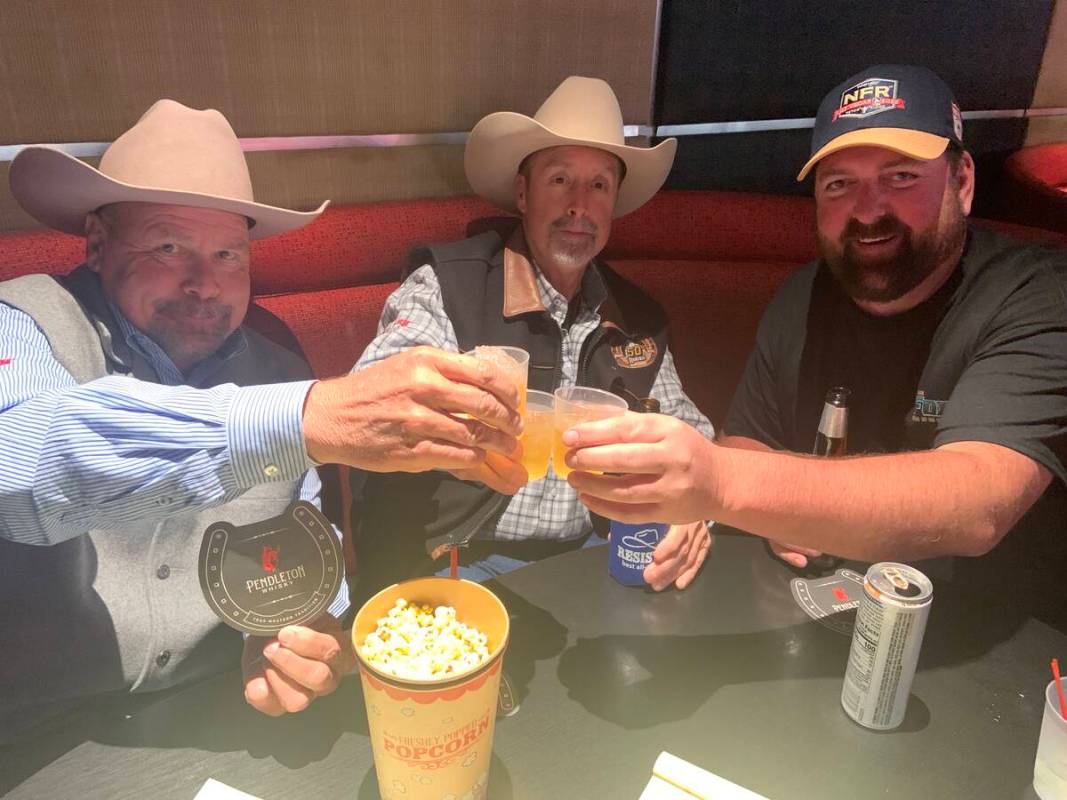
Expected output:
(419, 642)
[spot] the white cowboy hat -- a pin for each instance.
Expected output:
(174, 155)
(582, 111)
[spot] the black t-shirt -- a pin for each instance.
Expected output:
(984, 359)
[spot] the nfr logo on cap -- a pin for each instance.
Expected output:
(872, 96)
(909, 110)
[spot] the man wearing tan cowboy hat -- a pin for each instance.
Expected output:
(134, 412)
(951, 339)
(568, 172)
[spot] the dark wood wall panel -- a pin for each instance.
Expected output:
(84, 71)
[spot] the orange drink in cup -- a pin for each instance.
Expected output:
(575, 405)
(537, 433)
(430, 683)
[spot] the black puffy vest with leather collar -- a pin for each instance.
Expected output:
(491, 296)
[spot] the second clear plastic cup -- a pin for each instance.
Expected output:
(1050, 766)
(575, 405)
(537, 434)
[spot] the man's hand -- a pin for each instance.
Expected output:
(793, 554)
(664, 469)
(284, 674)
(502, 474)
(403, 414)
(678, 557)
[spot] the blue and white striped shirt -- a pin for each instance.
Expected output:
(117, 449)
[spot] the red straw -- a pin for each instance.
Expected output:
(1059, 687)
(453, 571)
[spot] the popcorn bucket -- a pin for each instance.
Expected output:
(433, 739)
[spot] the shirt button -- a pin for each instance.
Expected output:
(163, 501)
(163, 572)
(163, 658)
(272, 471)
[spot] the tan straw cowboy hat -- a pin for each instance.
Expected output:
(174, 155)
(582, 111)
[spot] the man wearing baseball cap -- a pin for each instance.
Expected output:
(135, 412)
(951, 339)
(568, 172)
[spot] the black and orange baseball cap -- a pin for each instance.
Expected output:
(903, 108)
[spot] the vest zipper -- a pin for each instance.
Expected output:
(557, 377)
(586, 354)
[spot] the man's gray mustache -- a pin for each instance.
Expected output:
(194, 309)
(580, 226)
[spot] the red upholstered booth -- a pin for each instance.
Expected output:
(1037, 186)
(712, 259)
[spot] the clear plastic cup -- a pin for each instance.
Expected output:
(1050, 766)
(537, 434)
(513, 360)
(575, 405)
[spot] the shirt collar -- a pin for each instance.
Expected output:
(165, 368)
(526, 288)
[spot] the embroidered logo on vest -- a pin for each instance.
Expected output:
(635, 355)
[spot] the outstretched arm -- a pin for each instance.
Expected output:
(958, 499)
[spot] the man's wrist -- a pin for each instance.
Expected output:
(266, 435)
(722, 495)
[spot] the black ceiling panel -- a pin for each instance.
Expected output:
(748, 162)
(755, 59)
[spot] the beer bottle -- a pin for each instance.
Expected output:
(831, 440)
(832, 436)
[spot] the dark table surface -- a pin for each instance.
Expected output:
(729, 674)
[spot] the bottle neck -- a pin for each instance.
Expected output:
(834, 422)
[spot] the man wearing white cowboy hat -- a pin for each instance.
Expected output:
(134, 415)
(567, 171)
(952, 340)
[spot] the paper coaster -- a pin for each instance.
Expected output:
(283, 571)
(830, 600)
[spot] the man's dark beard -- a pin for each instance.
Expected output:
(167, 327)
(916, 256)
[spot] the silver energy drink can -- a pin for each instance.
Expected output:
(885, 644)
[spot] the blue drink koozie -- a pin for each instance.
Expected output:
(630, 550)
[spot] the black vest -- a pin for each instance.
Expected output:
(490, 295)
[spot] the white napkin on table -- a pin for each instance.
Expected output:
(216, 790)
(676, 779)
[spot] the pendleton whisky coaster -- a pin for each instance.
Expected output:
(283, 571)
